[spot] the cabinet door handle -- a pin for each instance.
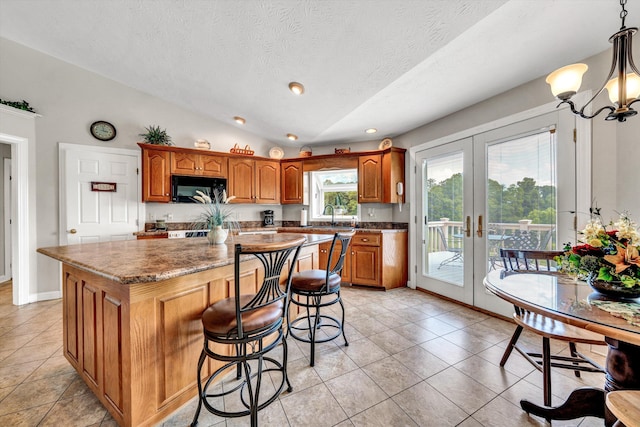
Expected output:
(365, 240)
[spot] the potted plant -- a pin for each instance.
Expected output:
(156, 136)
(217, 216)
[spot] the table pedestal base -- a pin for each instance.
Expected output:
(622, 372)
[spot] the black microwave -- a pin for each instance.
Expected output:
(183, 188)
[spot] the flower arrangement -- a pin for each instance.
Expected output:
(606, 255)
(216, 212)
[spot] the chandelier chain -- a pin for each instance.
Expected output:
(623, 13)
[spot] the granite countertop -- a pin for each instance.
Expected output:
(141, 261)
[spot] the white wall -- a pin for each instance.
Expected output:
(69, 100)
(5, 153)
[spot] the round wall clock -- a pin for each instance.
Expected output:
(104, 131)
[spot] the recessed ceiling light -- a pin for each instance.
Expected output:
(292, 136)
(371, 130)
(239, 120)
(296, 88)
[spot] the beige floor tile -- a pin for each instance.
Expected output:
(470, 422)
(461, 389)
(384, 414)
(487, 332)
(415, 333)
(56, 365)
(427, 407)
(516, 364)
(460, 319)
(487, 374)
(271, 416)
(355, 392)
(469, 342)
(15, 342)
(391, 376)
(436, 326)
(391, 341)
(364, 351)
(420, 361)
(12, 375)
(368, 327)
(32, 352)
(313, 407)
(301, 375)
(35, 393)
(501, 413)
(26, 418)
(333, 363)
(446, 350)
(79, 411)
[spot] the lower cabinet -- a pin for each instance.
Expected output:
(373, 259)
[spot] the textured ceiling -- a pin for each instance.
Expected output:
(389, 64)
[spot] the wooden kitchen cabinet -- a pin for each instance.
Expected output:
(376, 258)
(291, 183)
(379, 175)
(254, 181)
(156, 176)
(370, 179)
(191, 164)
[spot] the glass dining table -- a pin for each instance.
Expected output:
(571, 301)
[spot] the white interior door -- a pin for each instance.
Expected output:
(98, 216)
(512, 187)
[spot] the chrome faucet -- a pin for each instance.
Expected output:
(333, 217)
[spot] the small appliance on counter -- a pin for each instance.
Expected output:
(267, 218)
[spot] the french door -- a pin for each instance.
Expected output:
(512, 187)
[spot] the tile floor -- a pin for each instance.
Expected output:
(413, 360)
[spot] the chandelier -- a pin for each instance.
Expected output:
(624, 89)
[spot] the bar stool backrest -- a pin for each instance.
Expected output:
(274, 257)
(338, 264)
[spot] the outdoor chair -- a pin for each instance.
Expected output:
(457, 252)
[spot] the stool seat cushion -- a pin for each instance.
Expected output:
(220, 318)
(313, 281)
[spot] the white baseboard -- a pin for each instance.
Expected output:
(4, 278)
(45, 296)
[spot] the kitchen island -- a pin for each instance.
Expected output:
(131, 314)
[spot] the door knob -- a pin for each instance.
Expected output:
(73, 231)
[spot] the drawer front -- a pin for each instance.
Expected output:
(366, 239)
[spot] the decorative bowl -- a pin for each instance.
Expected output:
(613, 289)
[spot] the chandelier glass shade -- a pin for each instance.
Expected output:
(622, 83)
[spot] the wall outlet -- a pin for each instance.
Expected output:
(169, 217)
(152, 216)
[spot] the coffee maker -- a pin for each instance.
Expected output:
(267, 218)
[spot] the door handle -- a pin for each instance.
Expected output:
(72, 231)
(467, 229)
(479, 232)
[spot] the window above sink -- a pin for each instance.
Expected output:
(333, 195)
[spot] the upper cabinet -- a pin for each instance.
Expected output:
(254, 181)
(198, 164)
(370, 179)
(379, 176)
(291, 182)
(156, 177)
(270, 181)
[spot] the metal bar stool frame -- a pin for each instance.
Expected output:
(312, 299)
(249, 344)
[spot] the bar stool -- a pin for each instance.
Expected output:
(319, 289)
(253, 325)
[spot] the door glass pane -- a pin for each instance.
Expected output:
(521, 195)
(443, 207)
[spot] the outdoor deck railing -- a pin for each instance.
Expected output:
(453, 228)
